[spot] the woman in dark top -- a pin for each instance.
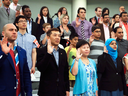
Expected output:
(112, 81)
(115, 19)
(42, 18)
(65, 29)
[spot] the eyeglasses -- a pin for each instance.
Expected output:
(97, 31)
(22, 21)
(64, 10)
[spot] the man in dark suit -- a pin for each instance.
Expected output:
(98, 11)
(32, 27)
(52, 63)
(14, 73)
(106, 30)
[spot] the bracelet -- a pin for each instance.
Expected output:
(76, 60)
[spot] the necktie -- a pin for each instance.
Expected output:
(98, 20)
(7, 11)
(82, 30)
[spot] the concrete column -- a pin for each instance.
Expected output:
(75, 5)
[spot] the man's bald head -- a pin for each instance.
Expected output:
(6, 26)
(10, 31)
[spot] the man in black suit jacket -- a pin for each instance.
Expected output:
(33, 30)
(98, 11)
(53, 65)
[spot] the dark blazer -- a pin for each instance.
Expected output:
(8, 74)
(41, 23)
(102, 37)
(63, 41)
(95, 19)
(112, 78)
(35, 30)
(52, 76)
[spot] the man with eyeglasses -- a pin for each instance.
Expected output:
(123, 23)
(82, 26)
(27, 42)
(105, 28)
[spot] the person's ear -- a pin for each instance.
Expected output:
(48, 37)
(43, 29)
(17, 24)
(3, 33)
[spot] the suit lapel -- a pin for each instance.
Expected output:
(5, 11)
(20, 58)
(102, 32)
(111, 62)
(60, 57)
(11, 62)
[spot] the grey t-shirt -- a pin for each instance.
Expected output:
(41, 38)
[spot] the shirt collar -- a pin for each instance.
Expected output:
(81, 20)
(21, 34)
(104, 25)
(30, 20)
(44, 17)
(15, 45)
(7, 8)
(55, 49)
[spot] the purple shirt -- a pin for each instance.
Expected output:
(87, 29)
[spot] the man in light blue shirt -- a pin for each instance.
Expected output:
(27, 42)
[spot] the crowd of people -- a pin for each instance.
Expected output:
(89, 56)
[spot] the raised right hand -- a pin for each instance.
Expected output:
(101, 20)
(49, 47)
(39, 17)
(78, 54)
(105, 49)
(77, 22)
(59, 14)
(91, 38)
(4, 47)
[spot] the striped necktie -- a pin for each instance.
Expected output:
(82, 30)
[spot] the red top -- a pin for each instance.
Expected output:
(126, 27)
(17, 73)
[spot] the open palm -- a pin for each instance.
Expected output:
(4, 47)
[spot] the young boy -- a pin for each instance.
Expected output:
(71, 54)
(43, 37)
(97, 45)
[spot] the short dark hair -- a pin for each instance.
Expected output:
(115, 16)
(122, 13)
(52, 29)
(81, 43)
(18, 17)
(115, 29)
(104, 10)
(80, 9)
(73, 36)
(104, 15)
(95, 27)
(24, 6)
(97, 8)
